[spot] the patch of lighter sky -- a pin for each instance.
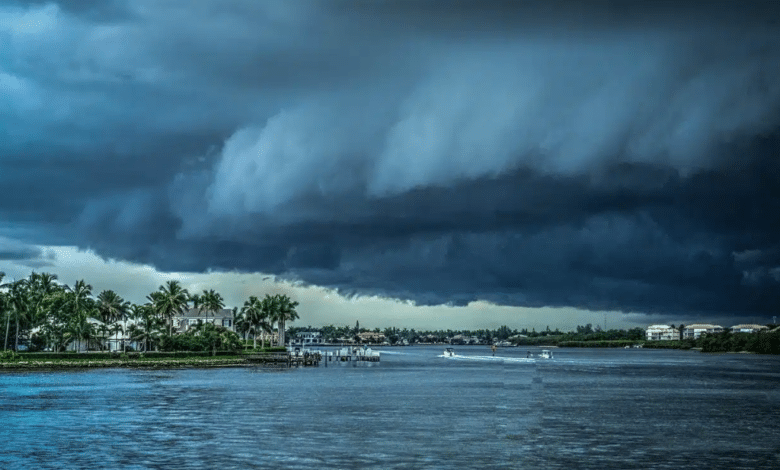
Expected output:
(318, 306)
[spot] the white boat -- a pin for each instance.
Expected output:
(546, 354)
(449, 352)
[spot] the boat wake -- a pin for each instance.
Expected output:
(458, 357)
(397, 353)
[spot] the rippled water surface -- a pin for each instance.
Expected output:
(586, 408)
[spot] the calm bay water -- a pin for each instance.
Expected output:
(586, 408)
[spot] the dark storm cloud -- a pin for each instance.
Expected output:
(599, 155)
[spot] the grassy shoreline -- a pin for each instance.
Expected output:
(119, 363)
(151, 360)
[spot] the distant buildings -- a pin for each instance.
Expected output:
(463, 339)
(747, 328)
(308, 338)
(662, 333)
(371, 337)
(696, 330)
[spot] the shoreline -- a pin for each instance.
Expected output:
(152, 363)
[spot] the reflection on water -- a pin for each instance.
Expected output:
(583, 409)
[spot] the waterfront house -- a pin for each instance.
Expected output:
(462, 339)
(662, 333)
(191, 317)
(308, 338)
(747, 328)
(696, 330)
(371, 337)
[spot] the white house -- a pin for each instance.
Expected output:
(662, 332)
(191, 317)
(696, 330)
(308, 338)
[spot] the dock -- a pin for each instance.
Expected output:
(351, 354)
(298, 357)
(284, 359)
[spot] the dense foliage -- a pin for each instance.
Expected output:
(763, 342)
(40, 314)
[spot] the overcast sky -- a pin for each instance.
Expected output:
(477, 161)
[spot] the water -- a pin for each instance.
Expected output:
(586, 408)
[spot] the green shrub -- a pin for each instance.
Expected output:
(9, 356)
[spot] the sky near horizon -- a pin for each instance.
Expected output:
(420, 163)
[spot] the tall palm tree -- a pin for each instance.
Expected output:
(197, 303)
(79, 328)
(147, 325)
(112, 308)
(5, 307)
(58, 317)
(285, 311)
(19, 300)
(211, 302)
(241, 324)
(81, 306)
(255, 317)
(270, 313)
(42, 288)
(136, 313)
(170, 300)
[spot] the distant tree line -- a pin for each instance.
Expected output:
(394, 335)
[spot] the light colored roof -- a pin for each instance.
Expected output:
(658, 327)
(701, 326)
(195, 313)
(748, 326)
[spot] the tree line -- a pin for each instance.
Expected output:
(39, 313)
(394, 335)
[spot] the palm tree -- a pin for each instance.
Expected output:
(80, 328)
(196, 302)
(111, 308)
(18, 297)
(57, 306)
(241, 324)
(270, 313)
(136, 312)
(285, 311)
(211, 302)
(42, 288)
(147, 326)
(170, 300)
(81, 307)
(5, 307)
(255, 318)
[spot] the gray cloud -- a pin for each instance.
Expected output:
(595, 155)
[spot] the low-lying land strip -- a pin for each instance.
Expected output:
(22, 361)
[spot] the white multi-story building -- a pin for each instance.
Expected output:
(662, 332)
(308, 338)
(191, 317)
(747, 328)
(696, 330)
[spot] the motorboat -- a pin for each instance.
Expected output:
(546, 354)
(449, 352)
